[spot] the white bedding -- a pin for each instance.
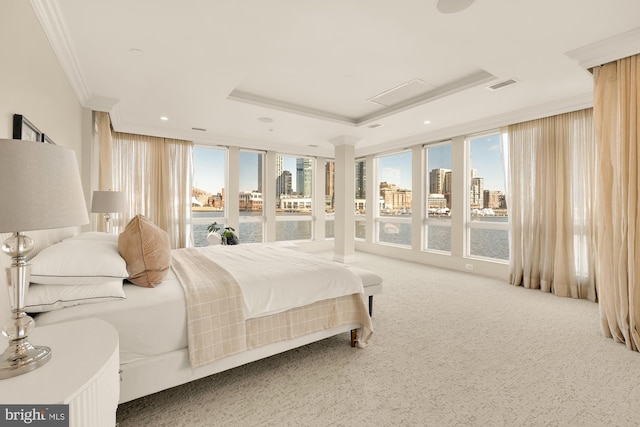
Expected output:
(274, 278)
(152, 321)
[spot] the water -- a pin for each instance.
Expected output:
(483, 242)
(251, 232)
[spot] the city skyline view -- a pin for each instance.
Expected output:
(485, 152)
(209, 166)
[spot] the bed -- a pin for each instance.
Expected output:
(155, 322)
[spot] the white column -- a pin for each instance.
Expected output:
(318, 195)
(460, 191)
(373, 195)
(232, 193)
(269, 196)
(344, 242)
(418, 197)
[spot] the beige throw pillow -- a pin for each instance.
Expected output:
(147, 250)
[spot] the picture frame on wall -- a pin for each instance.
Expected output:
(25, 130)
(47, 140)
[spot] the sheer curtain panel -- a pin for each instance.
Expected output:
(550, 198)
(156, 173)
(617, 123)
(105, 166)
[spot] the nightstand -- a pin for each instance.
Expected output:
(82, 372)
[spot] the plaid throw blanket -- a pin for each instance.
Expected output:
(215, 317)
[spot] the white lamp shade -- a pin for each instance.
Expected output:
(40, 187)
(107, 201)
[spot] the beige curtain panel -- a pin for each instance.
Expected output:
(105, 144)
(156, 174)
(617, 123)
(549, 199)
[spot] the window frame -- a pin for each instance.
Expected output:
(248, 219)
(225, 214)
(311, 217)
(382, 220)
(469, 223)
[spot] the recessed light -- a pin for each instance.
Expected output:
(453, 6)
(427, 122)
(265, 119)
(164, 118)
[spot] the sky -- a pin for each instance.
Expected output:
(209, 169)
(486, 158)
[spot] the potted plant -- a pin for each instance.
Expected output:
(225, 236)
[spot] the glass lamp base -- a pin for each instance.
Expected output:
(22, 357)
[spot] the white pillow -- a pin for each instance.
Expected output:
(78, 262)
(42, 298)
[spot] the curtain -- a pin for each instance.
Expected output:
(156, 174)
(617, 123)
(105, 144)
(550, 200)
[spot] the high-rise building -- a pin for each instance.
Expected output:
(446, 188)
(477, 192)
(329, 185)
(437, 179)
(494, 200)
(283, 183)
(395, 198)
(280, 182)
(304, 174)
(361, 180)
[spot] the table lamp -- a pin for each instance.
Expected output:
(107, 202)
(40, 189)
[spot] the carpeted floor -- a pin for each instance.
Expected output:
(449, 349)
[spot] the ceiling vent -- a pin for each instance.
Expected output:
(200, 129)
(405, 91)
(502, 84)
(375, 125)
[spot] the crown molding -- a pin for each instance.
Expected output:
(48, 12)
(102, 103)
(607, 50)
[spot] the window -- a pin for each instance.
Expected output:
(207, 202)
(487, 216)
(361, 198)
(438, 202)
(294, 184)
(251, 228)
(394, 203)
(329, 199)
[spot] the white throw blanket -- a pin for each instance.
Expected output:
(227, 285)
(274, 278)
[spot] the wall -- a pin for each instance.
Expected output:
(33, 84)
